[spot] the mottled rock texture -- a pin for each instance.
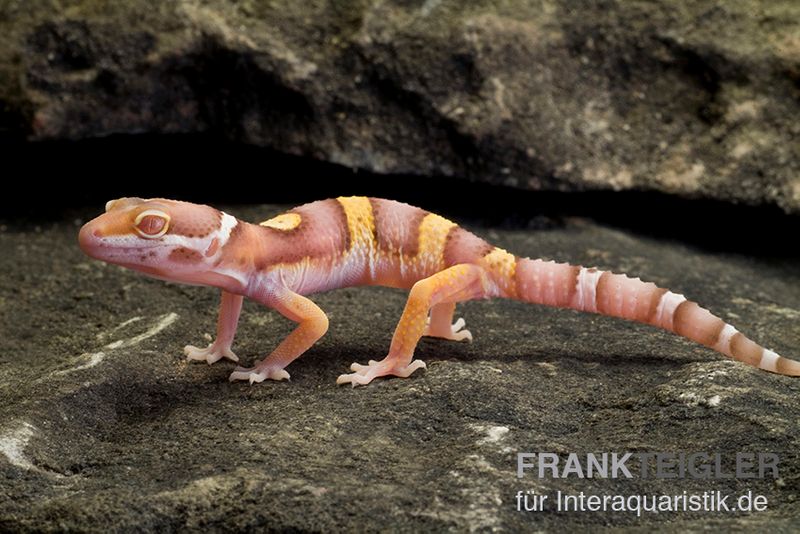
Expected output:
(105, 426)
(697, 98)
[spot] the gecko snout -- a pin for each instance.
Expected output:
(88, 237)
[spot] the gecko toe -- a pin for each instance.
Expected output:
(354, 379)
(210, 354)
(361, 369)
(364, 374)
(455, 332)
(255, 375)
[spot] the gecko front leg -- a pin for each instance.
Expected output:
(312, 325)
(229, 309)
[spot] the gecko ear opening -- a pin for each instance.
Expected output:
(151, 224)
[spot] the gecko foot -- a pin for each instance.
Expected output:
(452, 332)
(364, 374)
(258, 374)
(210, 354)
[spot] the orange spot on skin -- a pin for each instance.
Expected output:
(360, 222)
(113, 224)
(284, 222)
(503, 267)
(433, 231)
(184, 255)
(212, 248)
(123, 203)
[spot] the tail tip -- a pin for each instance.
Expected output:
(771, 361)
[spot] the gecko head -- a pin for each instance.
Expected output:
(168, 239)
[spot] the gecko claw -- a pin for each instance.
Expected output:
(255, 376)
(210, 354)
(361, 369)
(455, 332)
(364, 374)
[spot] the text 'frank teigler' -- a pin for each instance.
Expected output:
(700, 465)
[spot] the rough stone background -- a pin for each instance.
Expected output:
(697, 98)
(105, 426)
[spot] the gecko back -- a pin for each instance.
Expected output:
(351, 241)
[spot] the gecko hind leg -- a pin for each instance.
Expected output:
(230, 308)
(455, 284)
(440, 324)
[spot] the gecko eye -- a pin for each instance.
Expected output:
(152, 224)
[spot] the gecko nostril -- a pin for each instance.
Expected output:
(88, 237)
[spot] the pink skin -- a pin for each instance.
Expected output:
(108, 238)
(193, 252)
(320, 246)
(111, 238)
(229, 309)
(312, 325)
(441, 324)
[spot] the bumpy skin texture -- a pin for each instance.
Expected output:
(369, 241)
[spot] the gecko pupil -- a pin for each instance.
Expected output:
(151, 224)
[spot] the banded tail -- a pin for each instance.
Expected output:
(592, 290)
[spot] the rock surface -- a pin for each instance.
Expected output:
(106, 426)
(699, 99)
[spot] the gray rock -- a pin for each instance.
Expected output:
(106, 426)
(698, 100)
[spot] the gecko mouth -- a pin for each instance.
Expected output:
(113, 253)
(96, 246)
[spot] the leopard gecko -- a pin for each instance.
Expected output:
(355, 241)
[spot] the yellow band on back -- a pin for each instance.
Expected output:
(284, 222)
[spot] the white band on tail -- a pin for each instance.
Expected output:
(724, 342)
(586, 289)
(666, 309)
(769, 361)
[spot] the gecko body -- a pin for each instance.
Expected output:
(354, 241)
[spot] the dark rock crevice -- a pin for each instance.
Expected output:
(690, 101)
(236, 95)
